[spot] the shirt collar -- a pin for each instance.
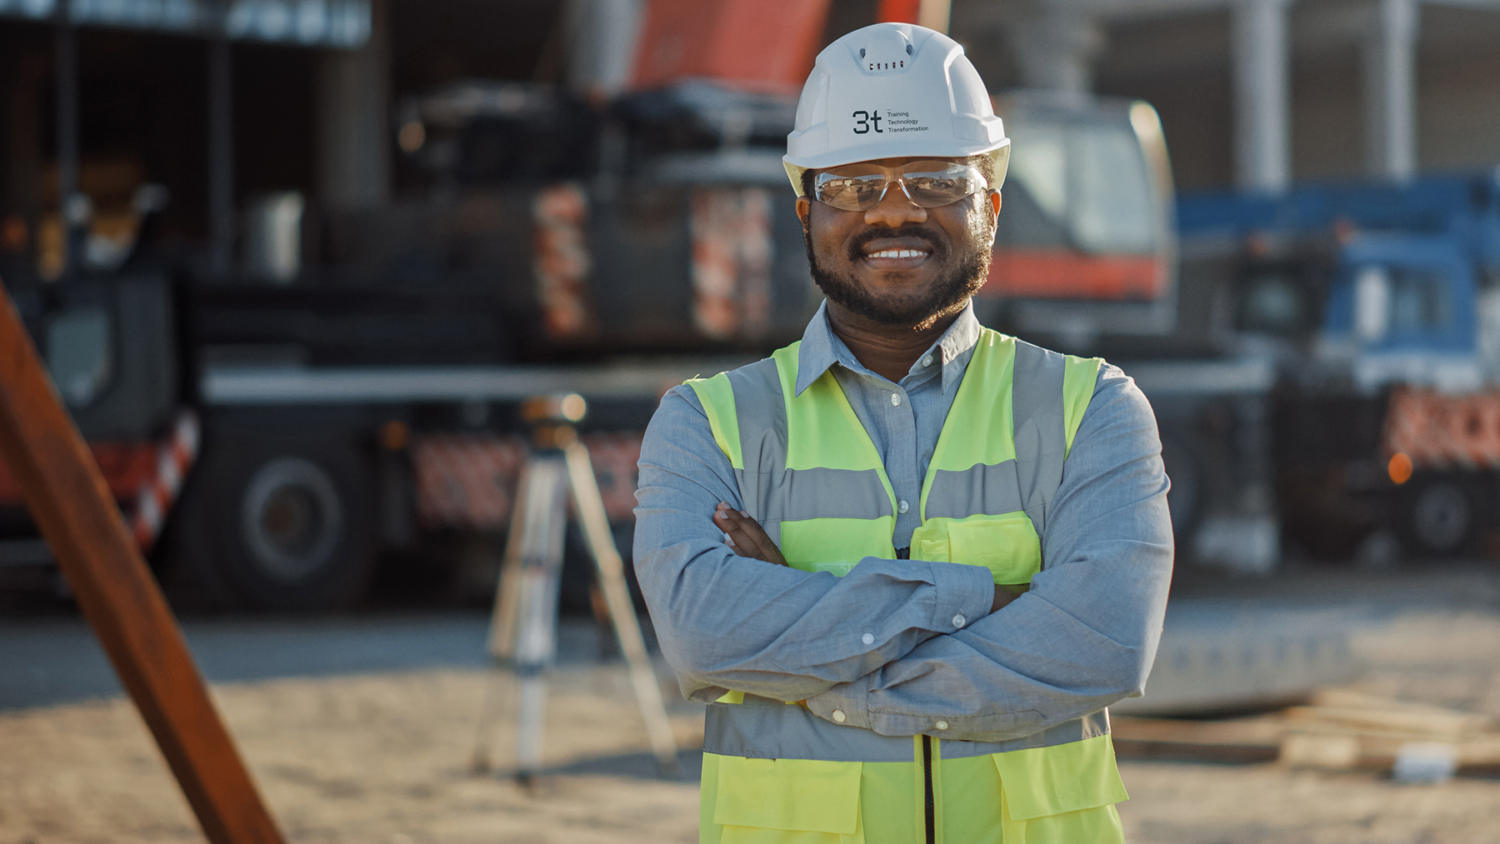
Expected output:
(821, 349)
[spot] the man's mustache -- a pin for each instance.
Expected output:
(931, 238)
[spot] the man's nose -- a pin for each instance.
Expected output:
(895, 209)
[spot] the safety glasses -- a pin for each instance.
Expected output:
(928, 184)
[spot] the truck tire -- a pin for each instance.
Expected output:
(278, 523)
(1441, 516)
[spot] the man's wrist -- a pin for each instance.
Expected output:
(846, 704)
(964, 595)
(1003, 596)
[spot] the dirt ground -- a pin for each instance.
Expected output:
(386, 759)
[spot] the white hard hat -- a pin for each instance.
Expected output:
(888, 91)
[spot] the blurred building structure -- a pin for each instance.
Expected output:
(1253, 93)
(1262, 93)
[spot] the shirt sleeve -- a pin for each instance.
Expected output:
(730, 622)
(1085, 634)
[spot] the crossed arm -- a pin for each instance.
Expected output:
(880, 644)
(748, 539)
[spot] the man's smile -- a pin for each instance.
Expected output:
(895, 253)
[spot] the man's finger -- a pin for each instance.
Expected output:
(740, 545)
(738, 541)
(749, 538)
(745, 541)
(752, 534)
(756, 535)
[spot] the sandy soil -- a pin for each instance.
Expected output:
(385, 759)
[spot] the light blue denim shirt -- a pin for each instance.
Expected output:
(897, 645)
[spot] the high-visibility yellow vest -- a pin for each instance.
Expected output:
(774, 773)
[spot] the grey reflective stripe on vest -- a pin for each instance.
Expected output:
(1041, 437)
(988, 490)
(781, 731)
(773, 493)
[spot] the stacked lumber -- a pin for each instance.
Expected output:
(1337, 729)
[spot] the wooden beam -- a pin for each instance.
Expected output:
(70, 502)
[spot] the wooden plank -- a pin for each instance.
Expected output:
(71, 503)
(1242, 740)
(1437, 724)
(1438, 715)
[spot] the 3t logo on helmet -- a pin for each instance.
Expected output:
(865, 120)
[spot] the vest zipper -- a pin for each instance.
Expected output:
(927, 786)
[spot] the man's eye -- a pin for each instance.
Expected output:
(936, 183)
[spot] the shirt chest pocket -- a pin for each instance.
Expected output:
(1006, 544)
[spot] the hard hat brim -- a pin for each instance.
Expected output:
(1000, 153)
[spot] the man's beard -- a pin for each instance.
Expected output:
(925, 305)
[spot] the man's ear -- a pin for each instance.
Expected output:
(804, 212)
(994, 198)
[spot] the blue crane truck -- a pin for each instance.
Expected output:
(1379, 306)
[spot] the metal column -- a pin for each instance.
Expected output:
(1390, 90)
(71, 205)
(354, 132)
(1057, 47)
(220, 147)
(1262, 101)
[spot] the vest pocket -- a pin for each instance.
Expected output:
(796, 795)
(1006, 544)
(836, 545)
(1067, 778)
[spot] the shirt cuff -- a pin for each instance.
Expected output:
(964, 595)
(847, 704)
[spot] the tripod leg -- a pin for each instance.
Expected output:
(591, 514)
(503, 619)
(483, 737)
(602, 622)
(536, 640)
(502, 641)
(529, 742)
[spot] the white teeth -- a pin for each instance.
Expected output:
(898, 253)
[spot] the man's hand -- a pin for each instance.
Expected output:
(1003, 596)
(750, 539)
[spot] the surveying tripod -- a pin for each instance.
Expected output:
(523, 627)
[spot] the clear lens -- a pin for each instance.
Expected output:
(926, 189)
(931, 190)
(850, 193)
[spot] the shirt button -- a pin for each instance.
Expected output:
(839, 716)
(959, 620)
(927, 360)
(868, 638)
(903, 507)
(895, 399)
(941, 725)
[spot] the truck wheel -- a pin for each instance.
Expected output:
(1441, 517)
(275, 524)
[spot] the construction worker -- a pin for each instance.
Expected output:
(907, 561)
